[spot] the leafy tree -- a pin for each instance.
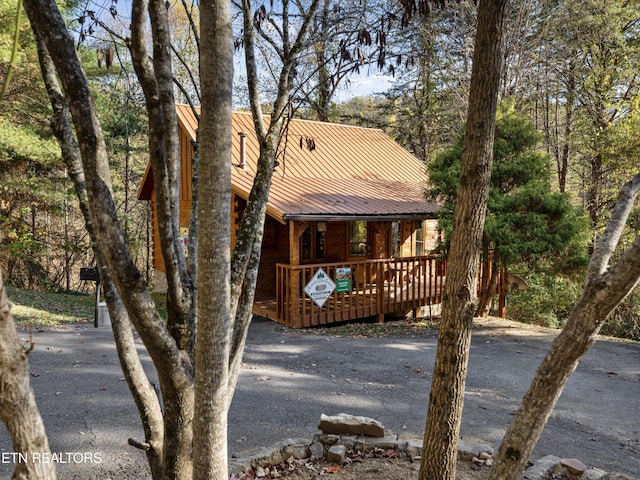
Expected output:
(605, 37)
(122, 112)
(579, 83)
(613, 273)
(38, 214)
(527, 224)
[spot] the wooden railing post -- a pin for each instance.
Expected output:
(380, 291)
(295, 232)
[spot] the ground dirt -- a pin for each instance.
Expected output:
(368, 467)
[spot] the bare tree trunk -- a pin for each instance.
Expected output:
(169, 353)
(18, 409)
(322, 102)
(605, 287)
(489, 282)
(172, 347)
(563, 162)
(454, 340)
(143, 392)
(484, 305)
(214, 212)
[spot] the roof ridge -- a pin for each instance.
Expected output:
(295, 119)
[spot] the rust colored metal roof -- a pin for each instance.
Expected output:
(335, 198)
(329, 170)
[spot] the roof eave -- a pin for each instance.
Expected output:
(351, 217)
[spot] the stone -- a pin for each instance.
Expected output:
(386, 442)
(239, 467)
(350, 441)
(541, 468)
(317, 450)
(344, 424)
(278, 453)
(593, 474)
(412, 446)
(467, 449)
(573, 465)
(484, 456)
(327, 438)
(336, 454)
(296, 450)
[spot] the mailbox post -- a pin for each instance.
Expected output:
(90, 274)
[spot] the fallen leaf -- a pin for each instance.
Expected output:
(333, 469)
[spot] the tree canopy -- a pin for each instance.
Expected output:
(527, 222)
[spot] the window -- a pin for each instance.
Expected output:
(306, 245)
(420, 246)
(396, 230)
(312, 242)
(358, 246)
(321, 236)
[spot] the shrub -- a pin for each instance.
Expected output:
(624, 322)
(547, 302)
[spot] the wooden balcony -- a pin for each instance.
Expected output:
(370, 288)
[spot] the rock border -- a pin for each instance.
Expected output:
(333, 447)
(327, 446)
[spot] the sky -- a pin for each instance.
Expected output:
(364, 85)
(359, 85)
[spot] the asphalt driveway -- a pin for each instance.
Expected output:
(289, 379)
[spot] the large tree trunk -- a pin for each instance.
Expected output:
(18, 409)
(449, 374)
(214, 211)
(605, 287)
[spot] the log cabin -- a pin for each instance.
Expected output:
(348, 232)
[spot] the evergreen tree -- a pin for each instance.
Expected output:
(527, 223)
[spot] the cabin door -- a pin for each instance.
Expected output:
(381, 239)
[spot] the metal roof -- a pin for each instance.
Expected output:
(349, 172)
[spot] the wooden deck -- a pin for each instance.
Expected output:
(366, 288)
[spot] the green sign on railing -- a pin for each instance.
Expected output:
(343, 280)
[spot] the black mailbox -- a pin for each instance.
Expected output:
(89, 274)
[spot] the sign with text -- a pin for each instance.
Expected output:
(320, 287)
(343, 280)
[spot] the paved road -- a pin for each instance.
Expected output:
(289, 379)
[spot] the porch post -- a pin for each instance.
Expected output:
(296, 312)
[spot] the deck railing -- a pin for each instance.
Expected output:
(367, 288)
